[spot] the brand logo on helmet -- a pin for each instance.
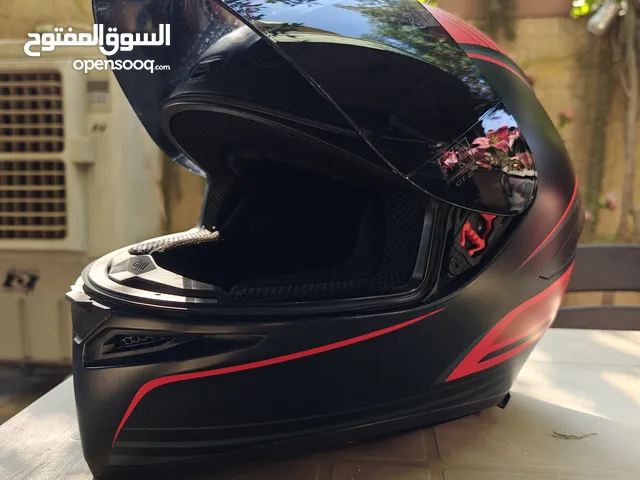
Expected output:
(140, 264)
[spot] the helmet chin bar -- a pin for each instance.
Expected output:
(137, 269)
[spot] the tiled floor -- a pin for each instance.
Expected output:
(576, 383)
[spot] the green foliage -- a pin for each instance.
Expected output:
(582, 8)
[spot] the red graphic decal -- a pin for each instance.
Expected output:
(555, 229)
(527, 320)
(158, 382)
(484, 58)
(461, 31)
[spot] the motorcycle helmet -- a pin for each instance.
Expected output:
(388, 229)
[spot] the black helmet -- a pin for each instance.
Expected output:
(389, 228)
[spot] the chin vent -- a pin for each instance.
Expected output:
(129, 343)
(126, 347)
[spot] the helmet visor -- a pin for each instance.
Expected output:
(387, 66)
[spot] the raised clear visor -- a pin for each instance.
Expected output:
(387, 66)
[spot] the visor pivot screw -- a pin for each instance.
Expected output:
(456, 265)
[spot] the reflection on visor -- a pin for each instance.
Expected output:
(388, 66)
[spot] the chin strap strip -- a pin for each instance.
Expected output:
(164, 244)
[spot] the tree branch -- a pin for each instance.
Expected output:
(617, 51)
(631, 85)
(624, 83)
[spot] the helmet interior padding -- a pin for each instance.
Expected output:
(296, 235)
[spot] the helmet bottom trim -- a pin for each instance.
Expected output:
(125, 466)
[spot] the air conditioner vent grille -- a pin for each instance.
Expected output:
(32, 199)
(31, 118)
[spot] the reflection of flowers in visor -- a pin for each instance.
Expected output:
(501, 139)
(501, 149)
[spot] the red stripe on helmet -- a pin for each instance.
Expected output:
(558, 224)
(484, 58)
(159, 382)
(526, 320)
(461, 31)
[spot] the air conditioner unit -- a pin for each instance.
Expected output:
(79, 177)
